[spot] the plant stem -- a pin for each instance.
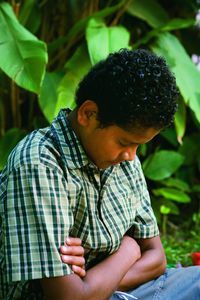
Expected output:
(16, 7)
(120, 13)
(15, 105)
(164, 225)
(2, 119)
(14, 90)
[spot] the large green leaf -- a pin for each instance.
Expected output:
(58, 89)
(48, 96)
(23, 56)
(103, 40)
(150, 11)
(156, 16)
(7, 143)
(172, 194)
(25, 11)
(177, 183)
(187, 75)
(162, 164)
(30, 15)
(76, 68)
(175, 24)
(169, 26)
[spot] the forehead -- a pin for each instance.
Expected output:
(136, 135)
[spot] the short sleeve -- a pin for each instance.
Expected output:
(37, 219)
(145, 225)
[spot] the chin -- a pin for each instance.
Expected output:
(103, 166)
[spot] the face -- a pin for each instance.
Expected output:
(111, 145)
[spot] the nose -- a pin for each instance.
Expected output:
(129, 154)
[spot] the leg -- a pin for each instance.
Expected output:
(174, 284)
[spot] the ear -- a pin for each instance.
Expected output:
(87, 112)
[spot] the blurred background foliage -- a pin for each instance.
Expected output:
(47, 46)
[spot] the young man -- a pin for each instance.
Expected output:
(79, 182)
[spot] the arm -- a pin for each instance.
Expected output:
(106, 274)
(151, 264)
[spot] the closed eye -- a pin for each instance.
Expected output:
(124, 144)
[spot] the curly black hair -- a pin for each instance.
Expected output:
(132, 88)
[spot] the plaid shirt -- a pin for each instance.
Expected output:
(50, 190)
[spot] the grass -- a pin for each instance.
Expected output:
(179, 246)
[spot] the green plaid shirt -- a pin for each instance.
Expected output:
(50, 190)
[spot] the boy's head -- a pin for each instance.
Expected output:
(123, 101)
(132, 89)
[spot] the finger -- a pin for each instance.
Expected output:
(79, 271)
(72, 250)
(73, 260)
(71, 241)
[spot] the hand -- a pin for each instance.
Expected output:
(72, 253)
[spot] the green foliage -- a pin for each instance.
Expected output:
(59, 86)
(114, 38)
(179, 247)
(162, 164)
(73, 36)
(74, 73)
(172, 194)
(48, 97)
(149, 11)
(8, 141)
(188, 78)
(23, 56)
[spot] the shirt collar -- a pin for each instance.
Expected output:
(69, 146)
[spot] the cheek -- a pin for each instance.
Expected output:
(104, 148)
(111, 151)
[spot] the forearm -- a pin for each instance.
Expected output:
(100, 281)
(151, 265)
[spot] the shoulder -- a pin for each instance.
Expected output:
(37, 148)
